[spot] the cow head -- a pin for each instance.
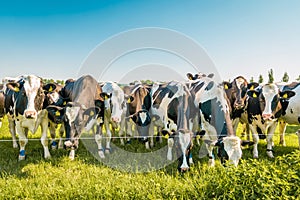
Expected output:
(139, 103)
(56, 114)
(271, 100)
(52, 95)
(113, 100)
(236, 92)
(29, 95)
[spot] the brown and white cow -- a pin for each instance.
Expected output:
(23, 103)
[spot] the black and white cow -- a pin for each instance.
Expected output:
(83, 94)
(173, 113)
(113, 97)
(209, 96)
(291, 113)
(23, 103)
(265, 105)
(55, 104)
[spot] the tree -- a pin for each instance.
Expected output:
(271, 76)
(251, 79)
(260, 79)
(285, 77)
(298, 79)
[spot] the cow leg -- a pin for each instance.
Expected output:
(61, 134)
(122, 130)
(255, 140)
(170, 147)
(108, 137)
(271, 131)
(211, 161)
(12, 129)
(151, 134)
(52, 134)
(44, 139)
(282, 127)
(72, 154)
(98, 139)
(22, 140)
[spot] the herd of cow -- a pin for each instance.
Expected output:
(199, 108)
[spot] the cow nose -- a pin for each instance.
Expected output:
(30, 114)
(115, 119)
(239, 105)
(184, 169)
(267, 116)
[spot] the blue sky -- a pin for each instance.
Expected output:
(53, 38)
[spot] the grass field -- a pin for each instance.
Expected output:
(87, 178)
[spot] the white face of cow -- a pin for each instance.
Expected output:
(72, 113)
(269, 92)
(232, 146)
(31, 86)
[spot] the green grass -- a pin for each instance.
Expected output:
(87, 178)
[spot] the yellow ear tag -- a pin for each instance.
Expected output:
(167, 136)
(105, 97)
(64, 103)
(190, 78)
(50, 89)
(198, 137)
(92, 113)
(285, 96)
(254, 95)
(252, 87)
(57, 113)
(128, 101)
(226, 87)
(16, 89)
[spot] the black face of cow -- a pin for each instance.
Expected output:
(56, 114)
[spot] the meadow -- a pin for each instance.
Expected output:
(88, 178)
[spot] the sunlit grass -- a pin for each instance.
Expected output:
(87, 178)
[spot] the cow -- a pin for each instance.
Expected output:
(266, 104)
(113, 97)
(291, 109)
(55, 104)
(83, 94)
(172, 112)
(236, 92)
(137, 111)
(210, 98)
(23, 104)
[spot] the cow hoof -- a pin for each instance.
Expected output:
(72, 154)
(211, 163)
(101, 154)
(191, 161)
(107, 150)
(15, 145)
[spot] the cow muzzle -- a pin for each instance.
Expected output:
(239, 105)
(267, 116)
(30, 114)
(116, 119)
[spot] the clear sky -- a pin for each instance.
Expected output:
(53, 38)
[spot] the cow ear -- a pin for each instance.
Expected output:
(253, 93)
(104, 95)
(287, 94)
(92, 111)
(13, 86)
(211, 75)
(130, 99)
(190, 76)
(252, 86)
(50, 87)
(227, 85)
